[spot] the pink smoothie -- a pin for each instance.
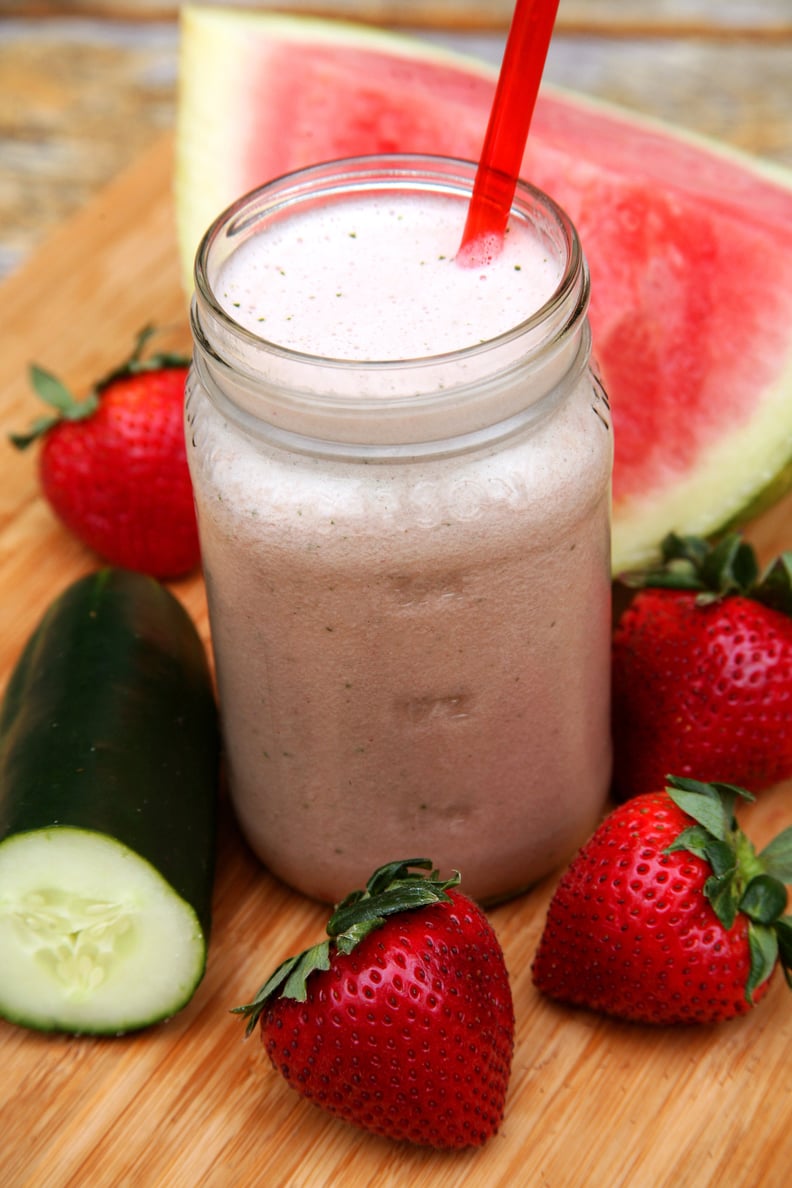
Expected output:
(412, 652)
(377, 279)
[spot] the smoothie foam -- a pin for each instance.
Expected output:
(376, 278)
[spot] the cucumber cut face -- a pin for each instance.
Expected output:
(84, 925)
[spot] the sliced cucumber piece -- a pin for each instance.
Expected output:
(93, 938)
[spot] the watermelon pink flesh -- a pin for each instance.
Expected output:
(689, 245)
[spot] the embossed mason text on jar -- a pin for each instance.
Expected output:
(402, 475)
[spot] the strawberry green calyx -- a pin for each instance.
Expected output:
(392, 888)
(742, 881)
(55, 394)
(67, 407)
(136, 364)
(715, 571)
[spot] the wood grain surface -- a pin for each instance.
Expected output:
(592, 1102)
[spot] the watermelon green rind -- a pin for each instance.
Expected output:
(735, 480)
(699, 370)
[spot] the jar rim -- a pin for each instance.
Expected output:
(369, 172)
(462, 393)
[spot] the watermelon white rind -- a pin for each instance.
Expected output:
(689, 242)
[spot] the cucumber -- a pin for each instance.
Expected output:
(109, 759)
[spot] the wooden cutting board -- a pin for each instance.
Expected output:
(592, 1102)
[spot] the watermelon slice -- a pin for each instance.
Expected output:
(689, 243)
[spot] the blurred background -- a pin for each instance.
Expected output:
(87, 85)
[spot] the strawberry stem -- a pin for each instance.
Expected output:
(57, 396)
(716, 571)
(392, 888)
(742, 881)
(136, 364)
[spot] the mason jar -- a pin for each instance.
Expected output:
(407, 558)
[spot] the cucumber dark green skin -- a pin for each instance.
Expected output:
(109, 724)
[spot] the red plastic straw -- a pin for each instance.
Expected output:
(507, 132)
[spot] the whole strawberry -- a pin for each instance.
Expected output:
(113, 466)
(702, 670)
(402, 1022)
(667, 914)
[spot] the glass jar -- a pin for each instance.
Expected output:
(407, 566)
